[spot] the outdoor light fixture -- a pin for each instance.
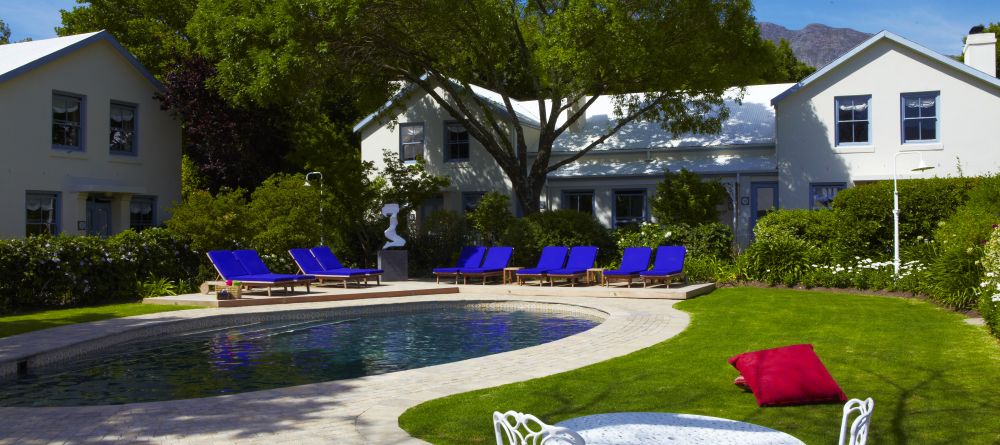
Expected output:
(307, 184)
(921, 166)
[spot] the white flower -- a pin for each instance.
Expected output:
(920, 237)
(990, 274)
(969, 250)
(983, 284)
(996, 298)
(667, 235)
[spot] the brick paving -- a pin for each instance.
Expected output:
(355, 411)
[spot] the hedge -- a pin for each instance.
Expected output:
(67, 271)
(989, 302)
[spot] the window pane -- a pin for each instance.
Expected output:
(861, 112)
(928, 129)
(910, 108)
(844, 113)
(845, 133)
(911, 130)
(861, 132)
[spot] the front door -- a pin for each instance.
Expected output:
(763, 200)
(99, 216)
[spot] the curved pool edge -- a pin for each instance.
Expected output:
(361, 410)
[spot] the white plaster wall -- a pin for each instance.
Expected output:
(968, 111)
(101, 74)
(480, 173)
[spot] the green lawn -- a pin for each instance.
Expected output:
(934, 378)
(19, 324)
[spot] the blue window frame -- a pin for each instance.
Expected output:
(456, 142)
(41, 213)
(630, 207)
(580, 200)
(123, 129)
(411, 141)
(142, 212)
(821, 194)
(919, 117)
(67, 121)
(853, 120)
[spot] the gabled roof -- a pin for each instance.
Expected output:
(886, 35)
(17, 58)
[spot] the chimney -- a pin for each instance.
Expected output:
(580, 123)
(981, 51)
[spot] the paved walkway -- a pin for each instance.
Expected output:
(356, 411)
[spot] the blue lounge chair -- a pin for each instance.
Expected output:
(580, 259)
(470, 257)
(669, 264)
(497, 258)
(634, 261)
(246, 267)
(309, 265)
(553, 257)
(329, 262)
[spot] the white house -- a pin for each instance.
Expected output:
(784, 145)
(86, 147)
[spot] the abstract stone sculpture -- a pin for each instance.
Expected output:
(391, 210)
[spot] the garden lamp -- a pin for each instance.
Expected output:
(307, 184)
(921, 166)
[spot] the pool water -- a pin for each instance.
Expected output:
(266, 355)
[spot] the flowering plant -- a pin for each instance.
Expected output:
(989, 299)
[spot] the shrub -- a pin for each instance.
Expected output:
(212, 222)
(866, 210)
(683, 198)
(712, 240)
(569, 228)
(777, 259)
(64, 271)
(491, 217)
(437, 242)
(989, 302)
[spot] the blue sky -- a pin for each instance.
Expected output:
(939, 25)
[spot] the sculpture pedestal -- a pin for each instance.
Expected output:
(395, 265)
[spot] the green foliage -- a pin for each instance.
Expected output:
(683, 198)
(191, 181)
(408, 185)
(956, 273)
(712, 240)
(212, 222)
(283, 214)
(156, 287)
(784, 66)
(4, 33)
(65, 271)
(292, 50)
(777, 259)
(437, 242)
(867, 210)
(568, 228)
(989, 301)
(492, 217)
(154, 31)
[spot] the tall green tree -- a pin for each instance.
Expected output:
(785, 67)
(4, 33)
(681, 55)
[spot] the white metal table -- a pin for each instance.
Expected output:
(670, 428)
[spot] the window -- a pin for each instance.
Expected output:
(920, 121)
(67, 119)
(470, 200)
(853, 123)
(580, 201)
(630, 207)
(142, 212)
(456, 139)
(122, 129)
(41, 213)
(821, 194)
(411, 141)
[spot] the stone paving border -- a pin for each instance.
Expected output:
(355, 411)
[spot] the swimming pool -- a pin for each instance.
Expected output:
(258, 355)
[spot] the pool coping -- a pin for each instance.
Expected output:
(361, 410)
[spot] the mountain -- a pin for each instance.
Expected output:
(815, 45)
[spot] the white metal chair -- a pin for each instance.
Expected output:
(859, 427)
(514, 428)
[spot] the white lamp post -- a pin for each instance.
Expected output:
(895, 202)
(307, 184)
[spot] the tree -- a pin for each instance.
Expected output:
(681, 55)
(683, 198)
(785, 67)
(4, 33)
(152, 30)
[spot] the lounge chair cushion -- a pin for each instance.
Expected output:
(497, 258)
(251, 262)
(306, 261)
(227, 264)
(274, 278)
(552, 257)
(447, 269)
(580, 259)
(790, 375)
(469, 256)
(326, 258)
(669, 261)
(634, 261)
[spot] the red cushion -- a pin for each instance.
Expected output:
(790, 375)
